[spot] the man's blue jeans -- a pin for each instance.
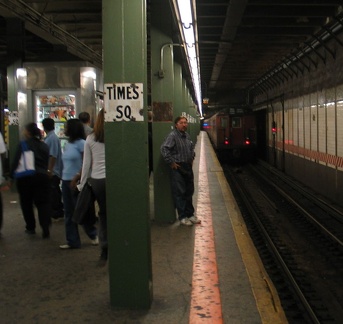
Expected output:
(182, 181)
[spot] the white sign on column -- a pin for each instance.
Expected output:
(123, 102)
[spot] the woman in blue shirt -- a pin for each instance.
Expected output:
(72, 164)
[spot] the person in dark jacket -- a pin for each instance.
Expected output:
(3, 150)
(178, 152)
(54, 168)
(34, 189)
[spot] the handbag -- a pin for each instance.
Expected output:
(26, 166)
(84, 212)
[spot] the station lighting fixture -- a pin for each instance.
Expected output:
(186, 16)
(21, 73)
(89, 74)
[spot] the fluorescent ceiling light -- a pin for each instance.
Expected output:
(185, 12)
(192, 53)
(189, 35)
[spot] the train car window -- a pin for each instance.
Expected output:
(223, 122)
(236, 122)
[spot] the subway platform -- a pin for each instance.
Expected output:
(207, 273)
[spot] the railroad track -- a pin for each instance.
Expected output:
(299, 241)
(323, 214)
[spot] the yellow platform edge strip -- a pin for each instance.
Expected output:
(266, 296)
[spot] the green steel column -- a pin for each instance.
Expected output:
(162, 98)
(125, 61)
(188, 109)
(181, 101)
(12, 90)
(193, 128)
(191, 116)
(185, 104)
(184, 91)
(15, 51)
(178, 94)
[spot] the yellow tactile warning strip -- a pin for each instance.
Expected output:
(205, 302)
(266, 297)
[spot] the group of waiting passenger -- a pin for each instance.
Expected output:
(82, 160)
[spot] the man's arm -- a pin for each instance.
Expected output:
(51, 165)
(166, 149)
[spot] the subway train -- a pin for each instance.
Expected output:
(232, 132)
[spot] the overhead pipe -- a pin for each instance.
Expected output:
(280, 71)
(315, 51)
(326, 47)
(301, 61)
(276, 75)
(311, 48)
(334, 36)
(298, 68)
(309, 57)
(20, 9)
(288, 65)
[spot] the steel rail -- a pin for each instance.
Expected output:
(252, 210)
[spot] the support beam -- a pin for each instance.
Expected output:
(127, 186)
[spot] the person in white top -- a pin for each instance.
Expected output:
(2, 151)
(94, 171)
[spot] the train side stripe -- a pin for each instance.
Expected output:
(330, 159)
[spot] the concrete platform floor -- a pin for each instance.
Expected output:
(42, 284)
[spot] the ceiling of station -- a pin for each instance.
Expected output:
(240, 41)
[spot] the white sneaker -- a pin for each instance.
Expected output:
(186, 221)
(95, 241)
(194, 220)
(65, 247)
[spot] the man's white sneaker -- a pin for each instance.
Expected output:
(186, 221)
(194, 220)
(95, 241)
(65, 246)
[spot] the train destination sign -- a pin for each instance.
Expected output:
(123, 102)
